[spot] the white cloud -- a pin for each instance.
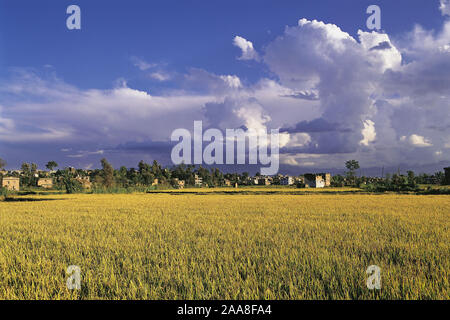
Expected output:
(416, 140)
(445, 7)
(248, 52)
(232, 81)
(252, 115)
(297, 140)
(142, 64)
(160, 76)
(369, 134)
(83, 116)
(380, 51)
(82, 153)
(306, 160)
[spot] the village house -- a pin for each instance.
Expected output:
(46, 183)
(264, 181)
(155, 182)
(287, 181)
(11, 183)
(317, 180)
(179, 184)
(198, 181)
(85, 182)
(227, 182)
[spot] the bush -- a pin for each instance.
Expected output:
(72, 185)
(4, 192)
(389, 186)
(436, 191)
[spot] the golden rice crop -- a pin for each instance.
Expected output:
(225, 246)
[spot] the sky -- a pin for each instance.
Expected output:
(138, 70)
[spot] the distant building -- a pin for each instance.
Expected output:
(46, 183)
(264, 182)
(179, 184)
(11, 183)
(85, 182)
(72, 170)
(227, 182)
(447, 176)
(287, 181)
(155, 182)
(327, 179)
(317, 180)
(198, 181)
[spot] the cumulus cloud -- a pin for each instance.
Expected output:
(416, 140)
(248, 52)
(57, 111)
(200, 80)
(321, 57)
(300, 160)
(379, 50)
(232, 81)
(368, 133)
(367, 95)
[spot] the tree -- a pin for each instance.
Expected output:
(51, 165)
(26, 169)
(70, 182)
(26, 174)
(411, 178)
(107, 173)
(440, 177)
(352, 166)
(145, 173)
(2, 163)
(337, 181)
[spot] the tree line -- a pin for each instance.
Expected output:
(145, 175)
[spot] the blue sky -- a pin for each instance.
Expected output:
(182, 34)
(173, 50)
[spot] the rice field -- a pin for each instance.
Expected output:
(225, 246)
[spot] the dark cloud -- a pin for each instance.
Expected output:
(147, 146)
(311, 96)
(316, 125)
(382, 46)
